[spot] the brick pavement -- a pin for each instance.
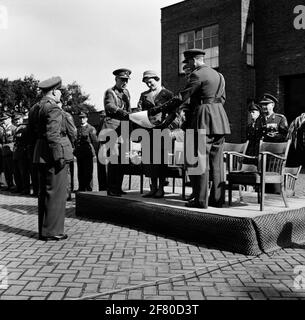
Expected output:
(104, 258)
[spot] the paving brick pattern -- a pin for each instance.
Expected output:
(110, 259)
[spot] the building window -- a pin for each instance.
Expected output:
(250, 44)
(203, 38)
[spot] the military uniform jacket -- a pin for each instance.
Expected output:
(70, 127)
(115, 100)
(86, 143)
(148, 100)
(7, 137)
(21, 142)
(276, 128)
(52, 143)
(206, 91)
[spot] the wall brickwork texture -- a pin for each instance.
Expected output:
(279, 49)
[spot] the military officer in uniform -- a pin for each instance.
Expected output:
(52, 150)
(20, 156)
(255, 131)
(85, 151)
(7, 132)
(117, 108)
(206, 91)
(276, 125)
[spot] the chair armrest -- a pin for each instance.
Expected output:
(290, 175)
(272, 155)
(237, 154)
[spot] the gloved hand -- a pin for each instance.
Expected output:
(60, 164)
(122, 114)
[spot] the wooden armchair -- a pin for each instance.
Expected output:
(290, 177)
(176, 166)
(235, 163)
(135, 167)
(271, 167)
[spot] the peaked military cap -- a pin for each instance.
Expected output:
(253, 107)
(191, 53)
(268, 98)
(150, 74)
(122, 73)
(51, 83)
(83, 114)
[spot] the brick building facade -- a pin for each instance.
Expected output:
(258, 50)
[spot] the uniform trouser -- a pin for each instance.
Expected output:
(70, 178)
(34, 177)
(22, 174)
(214, 166)
(102, 176)
(8, 169)
(115, 177)
(85, 173)
(52, 198)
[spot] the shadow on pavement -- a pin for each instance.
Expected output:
(20, 209)
(26, 233)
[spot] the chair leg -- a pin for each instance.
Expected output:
(173, 185)
(129, 185)
(283, 193)
(141, 183)
(240, 193)
(262, 197)
(183, 186)
(230, 193)
(258, 194)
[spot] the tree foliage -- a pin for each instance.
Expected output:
(21, 94)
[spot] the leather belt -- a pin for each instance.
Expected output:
(211, 100)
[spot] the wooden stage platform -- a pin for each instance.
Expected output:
(241, 228)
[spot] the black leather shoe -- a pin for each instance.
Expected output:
(114, 193)
(159, 194)
(195, 204)
(54, 238)
(190, 197)
(150, 194)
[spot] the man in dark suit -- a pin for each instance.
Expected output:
(52, 150)
(117, 108)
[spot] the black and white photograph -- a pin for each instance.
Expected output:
(152, 153)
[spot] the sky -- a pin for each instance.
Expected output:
(82, 41)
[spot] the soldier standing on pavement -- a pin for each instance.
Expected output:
(20, 156)
(276, 125)
(52, 151)
(117, 108)
(85, 151)
(7, 132)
